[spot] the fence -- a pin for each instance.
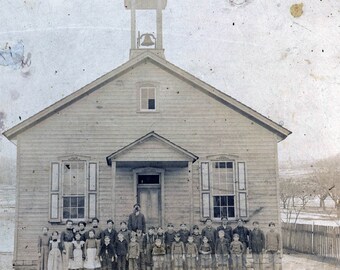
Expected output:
(312, 239)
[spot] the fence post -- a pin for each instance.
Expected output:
(313, 237)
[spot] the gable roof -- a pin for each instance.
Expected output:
(161, 62)
(146, 137)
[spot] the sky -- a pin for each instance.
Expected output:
(286, 68)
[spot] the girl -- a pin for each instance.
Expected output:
(205, 251)
(43, 249)
(55, 261)
(92, 252)
(76, 261)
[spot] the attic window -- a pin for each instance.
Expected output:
(148, 99)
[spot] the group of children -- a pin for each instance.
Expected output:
(221, 248)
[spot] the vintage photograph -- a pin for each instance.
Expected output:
(169, 135)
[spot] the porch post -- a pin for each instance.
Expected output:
(113, 196)
(191, 186)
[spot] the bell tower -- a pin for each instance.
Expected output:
(146, 41)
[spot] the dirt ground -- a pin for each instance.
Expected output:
(289, 262)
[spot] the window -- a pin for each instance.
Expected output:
(147, 98)
(73, 190)
(223, 189)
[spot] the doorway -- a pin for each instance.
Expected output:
(149, 197)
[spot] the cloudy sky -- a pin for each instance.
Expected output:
(284, 67)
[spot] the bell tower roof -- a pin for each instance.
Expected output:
(146, 41)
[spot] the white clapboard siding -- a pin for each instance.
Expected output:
(109, 119)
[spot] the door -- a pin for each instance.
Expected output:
(149, 197)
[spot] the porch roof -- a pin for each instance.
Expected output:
(143, 148)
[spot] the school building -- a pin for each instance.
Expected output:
(146, 132)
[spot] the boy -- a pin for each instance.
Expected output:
(197, 236)
(228, 230)
(205, 251)
(257, 246)
(109, 231)
(139, 239)
(243, 234)
(160, 234)
(222, 251)
(211, 234)
(191, 254)
(124, 231)
(184, 233)
(273, 246)
(177, 253)
(148, 242)
(158, 255)
(106, 254)
(121, 251)
(236, 250)
(133, 253)
(169, 238)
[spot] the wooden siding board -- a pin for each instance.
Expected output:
(108, 119)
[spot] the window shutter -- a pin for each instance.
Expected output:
(92, 190)
(205, 190)
(242, 190)
(55, 192)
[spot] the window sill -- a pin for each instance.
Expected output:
(148, 111)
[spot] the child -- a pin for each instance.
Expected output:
(96, 229)
(66, 238)
(184, 233)
(210, 233)
(197, 236)
(236, 250)
(191, 253)
(222, 251)
(133, 253)
(273, 246)
(92, 251)
(106, 254)
(121, 251)
(43, 249)
(160, 234)
(243, 234)
(228, 230)
(124, 231)
(82, 230)
(158, 255)
(55, 261)
(205, 251)
(148, 242)
(76, 259)
(139, 239)
(169, 238)
(257, 246)
(177, 253)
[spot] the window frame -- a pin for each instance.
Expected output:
(140, 98)
(88, 190)
(236, 188)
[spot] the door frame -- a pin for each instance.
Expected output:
(150, 171)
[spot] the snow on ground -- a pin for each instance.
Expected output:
(325, 218)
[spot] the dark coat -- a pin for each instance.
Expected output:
(222, 246)
(136, 222)
(228, 232)
(211, 234)
(243, 233)
(112, 235)
(121, 248)
(106, 251)
(257, 241)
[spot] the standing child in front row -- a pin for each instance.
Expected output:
(177, 253)
(133, 253)
(139, 239)
(273, 247)
(222, 251)
(92, 251)
(158, 255)
(148, 242)
(106, 254)
(121, 251)
(191, 254)
(55, 261)
(77, 254)
(205, 251)
(236, 250)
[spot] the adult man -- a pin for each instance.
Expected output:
(136, 219)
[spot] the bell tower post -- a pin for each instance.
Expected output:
(146, 41)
